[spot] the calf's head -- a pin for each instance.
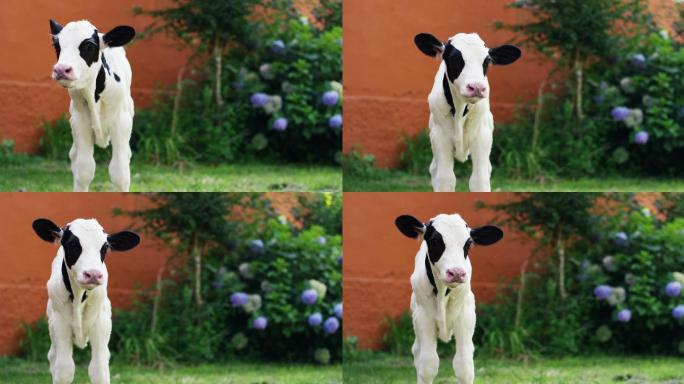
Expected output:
(78, 46)
(84, 245)
(467, 60)
(448, 240)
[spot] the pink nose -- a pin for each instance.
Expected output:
(456, 275)
(476, 90)
(92, 276)
(63, 72)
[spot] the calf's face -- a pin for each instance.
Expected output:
(448, 240)
(78, 46)
(84, 245)
(467, 61)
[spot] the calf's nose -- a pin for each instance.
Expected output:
(63, 71)
(476, 90)
(92, 276)
(456, 275)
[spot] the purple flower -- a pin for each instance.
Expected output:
(335, 122)
(638, 61)
(309, 297)
(238, 299)
(321, 240)
(620, 239)
(602, 292)
(280, 124)
(619, 113)
(678, 312)
(256, 246)
(599, 99)
(332, 324)
(259, 100)
(330, 98)
(260, 323)
(217, 284)
(338, 310)
(624, 316)
(277, 46)
(315, 319)
(641, 137)
(673, 289)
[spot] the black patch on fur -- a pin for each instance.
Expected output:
(431, 278)
(485, 65)
(466, 247)
(465, 110)
(447, 94)
(105, 65)
(99, 83)
(89, 49)
(454, 61)
(116, 77)
(56, 46)
(67, 283)
(435, 243)
(85, 296)
(72, 247)
(103, 251)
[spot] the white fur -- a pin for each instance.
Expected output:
(109, 119)
(441, 316)
(77, 322)
(457, 136)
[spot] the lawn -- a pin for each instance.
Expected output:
(17, 371)
(587, 370)
(398, 181)
(38, 175)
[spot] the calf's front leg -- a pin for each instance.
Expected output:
(98, 370)
(81, 153)
(119, 167)
(425, 357)
(480, 144)
(61, 348)
(464, 328)
(442, 166)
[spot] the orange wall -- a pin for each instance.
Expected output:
(27, 94)
(387, 79)
(378, 259)
(25, 259)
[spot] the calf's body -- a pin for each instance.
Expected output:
(461, 123)
(78, 309)
(442, 302)
(94, 69)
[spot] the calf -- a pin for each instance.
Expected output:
(78, 309)
(442, 303)
(460, 120)
(94, 68)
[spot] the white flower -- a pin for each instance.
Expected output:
(319, 287)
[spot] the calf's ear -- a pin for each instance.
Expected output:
(123, 241)
(505, 54)
(47, 230)
(119, 36)
(409, 226)
(428, 44)
(55, 27)
(486, 235)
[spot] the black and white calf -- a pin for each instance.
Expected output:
(78, 309)
(460, 120)
(442, 302)
(94, 68)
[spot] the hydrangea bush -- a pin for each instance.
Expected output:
(631, 275)
(291, 86)
(281, 296)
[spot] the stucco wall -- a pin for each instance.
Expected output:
(378, 259)
(27, 94)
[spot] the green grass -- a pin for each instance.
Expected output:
(379, 368)
(398, 181)
(38, 175)
(18, 371)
